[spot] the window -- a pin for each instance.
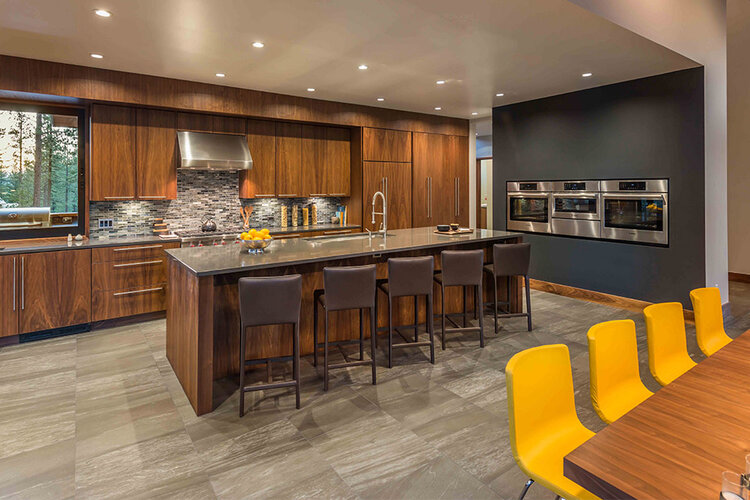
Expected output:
(41, 171)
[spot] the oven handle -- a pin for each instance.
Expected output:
(524, 195)
(582, 196)
(635, 195)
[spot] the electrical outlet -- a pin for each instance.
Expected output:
(105, 223)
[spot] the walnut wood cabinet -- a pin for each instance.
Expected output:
(338, 162)
(288, 160)
(394, 179)
(45, 290)
(313, 161)
(113, 153)
(441, 179)
(133, 154)
(156, 155)
(386, 145)
(260, 181)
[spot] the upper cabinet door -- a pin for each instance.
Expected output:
(260, 181)
(288, 160)
(338, 162)
(380, 144)
(156, 160)
(113, 140)
(398, 190)
(314, 162)
(432, 181)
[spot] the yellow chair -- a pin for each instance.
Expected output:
(616, 386)
(668, 357)
(544, 426)
(709, 322)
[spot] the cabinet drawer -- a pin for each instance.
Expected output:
(146, 251)
(119, 275)
(119, 303)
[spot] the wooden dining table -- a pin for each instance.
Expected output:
(677, 443)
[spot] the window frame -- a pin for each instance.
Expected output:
(82, 225)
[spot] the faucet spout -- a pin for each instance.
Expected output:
(384, 212)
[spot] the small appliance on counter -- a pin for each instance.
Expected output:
(208, 225)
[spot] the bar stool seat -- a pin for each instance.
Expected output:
(265, 301)
(409, 277)
(461, 268)
(346, 288)
(509, 260)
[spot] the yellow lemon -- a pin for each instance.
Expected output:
(264, 231)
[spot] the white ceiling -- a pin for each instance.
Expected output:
(524, 48)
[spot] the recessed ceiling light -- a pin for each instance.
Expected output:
(381, 99)
(259, 45)
(362, 66)
(103, 13)
(440, 82)
(474, 113)
(310, 89)
(499, 94)
(586, 75)
(97, 56)
(220, 75)
(438, 108)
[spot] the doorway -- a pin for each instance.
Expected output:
(484, 193)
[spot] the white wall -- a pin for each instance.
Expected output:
(696, 29)
(738, 134)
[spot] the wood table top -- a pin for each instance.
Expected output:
(677, 443)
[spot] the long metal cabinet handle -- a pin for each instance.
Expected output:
(138, 291)
(14, 283)
(128, 249)
(152, 197)
(119, 197)
(429, 212)
(23, 283)
(145, 262)
(458, 196)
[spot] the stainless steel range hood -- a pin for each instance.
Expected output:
(204, 151)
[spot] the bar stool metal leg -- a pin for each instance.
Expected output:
(442, 315)
(373, 342)
(361, 335)
(430, 327)
(416, 319)
(325, 354)
(494, 283)
(243, 341)
(315, 330)
(528, 299)
(390, 331)
(477, 299)
(296, 363)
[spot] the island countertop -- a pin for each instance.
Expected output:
(213, 260)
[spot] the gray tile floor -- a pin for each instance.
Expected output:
(102, 415)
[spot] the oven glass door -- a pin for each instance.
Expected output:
(642, 213)
(576, 207)
(529, 209)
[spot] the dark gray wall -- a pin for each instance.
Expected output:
(646, 128)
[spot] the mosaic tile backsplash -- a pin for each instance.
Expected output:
(199, 194)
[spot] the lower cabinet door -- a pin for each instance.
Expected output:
(54, 289)
(109, 304)
(9, 305)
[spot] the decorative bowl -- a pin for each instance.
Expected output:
(255, 246)
(443, 228)
(454, 226)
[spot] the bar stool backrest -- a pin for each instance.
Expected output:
(350, 287)
(462, 267)
(511, 259)
(270, 300)
(410, 275)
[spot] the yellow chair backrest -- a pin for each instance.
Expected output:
(615, 380)
(540, 397)
(668, 357)
(709, 321)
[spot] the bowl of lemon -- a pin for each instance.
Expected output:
(255, 241)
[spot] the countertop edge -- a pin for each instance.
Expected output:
(338, 257)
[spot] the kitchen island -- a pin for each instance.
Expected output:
(202, 298)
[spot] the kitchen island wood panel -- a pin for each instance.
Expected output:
(95, 84)
(203, 314)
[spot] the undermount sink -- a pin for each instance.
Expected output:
(342, 237)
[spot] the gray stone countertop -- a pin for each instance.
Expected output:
(52, 244)
(206, 261)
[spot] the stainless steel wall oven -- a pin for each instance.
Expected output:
(636, 210)
(528, 206)
(626, 210)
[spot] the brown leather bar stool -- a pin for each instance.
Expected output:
(346, 288)
(461, 268)
(407, 277)
(510, 260)
(264, 301)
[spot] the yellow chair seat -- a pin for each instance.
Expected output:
(671, 368)
(714, 343)
(709, 320)
(626, 397)
(545, 465)
(668, 357)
